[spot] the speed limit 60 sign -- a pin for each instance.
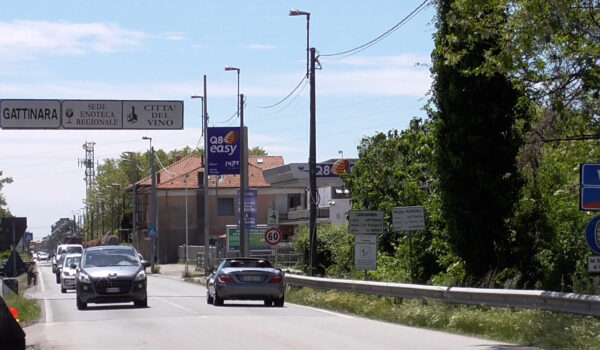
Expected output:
(273, 236)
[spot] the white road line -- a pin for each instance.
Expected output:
(323, 311)
(47, 306)
(176, 305)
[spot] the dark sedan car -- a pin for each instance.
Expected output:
(246, 279)
(111, 274)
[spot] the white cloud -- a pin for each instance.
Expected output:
(30, 39)
(176, 36)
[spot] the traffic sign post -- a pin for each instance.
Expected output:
(365, 222)
(273, 236)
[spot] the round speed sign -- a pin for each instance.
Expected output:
(273, 236)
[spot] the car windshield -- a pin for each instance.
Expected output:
(247, 263)
(110, 257)
(72, 260)
(60, 259)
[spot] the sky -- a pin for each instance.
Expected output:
(161, 50)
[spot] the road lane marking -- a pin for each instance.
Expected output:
(176, 305)
(323, 311)
(47, 306)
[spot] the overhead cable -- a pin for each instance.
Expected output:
(382, 36)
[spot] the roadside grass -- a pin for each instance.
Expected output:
(543, 329)
(29, 310)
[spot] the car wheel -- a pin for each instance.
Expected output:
(218, 301)
(268, 302)
(209, 299)
(279, 302)
(80, 304)
(141, 303)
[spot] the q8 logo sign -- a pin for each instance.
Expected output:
(223, 156)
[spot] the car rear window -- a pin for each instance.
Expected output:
(110, 257)
(247, 263)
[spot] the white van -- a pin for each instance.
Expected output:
(65, 249)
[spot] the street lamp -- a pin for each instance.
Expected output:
(205, 180)
(295, 12)
(244, 239)
(153, 223)
(112, 208)
(312, 152)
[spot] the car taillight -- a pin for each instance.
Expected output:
(225, 279)
(275, 279)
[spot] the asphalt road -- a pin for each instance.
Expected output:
(178, 317)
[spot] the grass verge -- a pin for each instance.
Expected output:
(542, 329)
(29, 310)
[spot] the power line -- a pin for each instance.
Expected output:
(228, 119)
(382, 36)
(288, 95)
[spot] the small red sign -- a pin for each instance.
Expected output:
(273, 236)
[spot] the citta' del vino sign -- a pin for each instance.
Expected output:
(91, 114)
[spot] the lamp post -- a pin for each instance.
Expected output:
(112, 208)
(205, 180)
(244, 238)
(312, 152)
(153, 253)
(133, 202)
(186, 225)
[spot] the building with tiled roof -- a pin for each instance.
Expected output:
(184, 180)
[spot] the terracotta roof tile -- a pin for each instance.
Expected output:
(173, 176)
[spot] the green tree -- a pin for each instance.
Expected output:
(396, 169)
(4, 212)
(257, 151)
(477, 141)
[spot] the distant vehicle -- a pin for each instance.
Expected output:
(67, 273)
(246, 279)
(41, 256)
(59, 265)
(65, 248)
(111, 274)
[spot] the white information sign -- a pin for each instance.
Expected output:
(365, 222)
(152, 114)
(594, 263)
(408, 218)
(273, 218)
(30, 114)
(90, 114)
(365, 252)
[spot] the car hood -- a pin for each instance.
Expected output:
(112, 271)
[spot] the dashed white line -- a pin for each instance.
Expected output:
(47, 306)
(176, 305)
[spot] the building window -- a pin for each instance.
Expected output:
(339, 192)
(225, 206)
(294, 201)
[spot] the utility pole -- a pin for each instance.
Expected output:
(312, 166)
(133, 204)
(206, 212)
(153, 253)
(244, 237)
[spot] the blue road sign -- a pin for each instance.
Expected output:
(592, 234)
(152, 232)
(589, 194)
(28, 237)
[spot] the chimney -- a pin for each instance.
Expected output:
(157, 178)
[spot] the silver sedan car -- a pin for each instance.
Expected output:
(246, 279)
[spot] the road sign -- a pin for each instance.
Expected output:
(30, 114)
(28, 237)
(365, 222)
(152, 232)
(594, 264)
(589, 194)
(92, 114)
(273, 236)
(223, 150)
(365, 252)
(273, 218)
(592, 234)
(152, 114)
(408, 218)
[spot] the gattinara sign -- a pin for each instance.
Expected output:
(223, 150)
(91, 114)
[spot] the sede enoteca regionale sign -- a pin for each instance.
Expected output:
(91, 114)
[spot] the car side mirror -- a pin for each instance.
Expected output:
(146, 263)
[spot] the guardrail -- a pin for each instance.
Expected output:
(530, 299)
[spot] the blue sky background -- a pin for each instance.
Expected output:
(161, 50)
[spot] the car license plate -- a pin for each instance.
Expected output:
(253, 278)
(113, 290)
